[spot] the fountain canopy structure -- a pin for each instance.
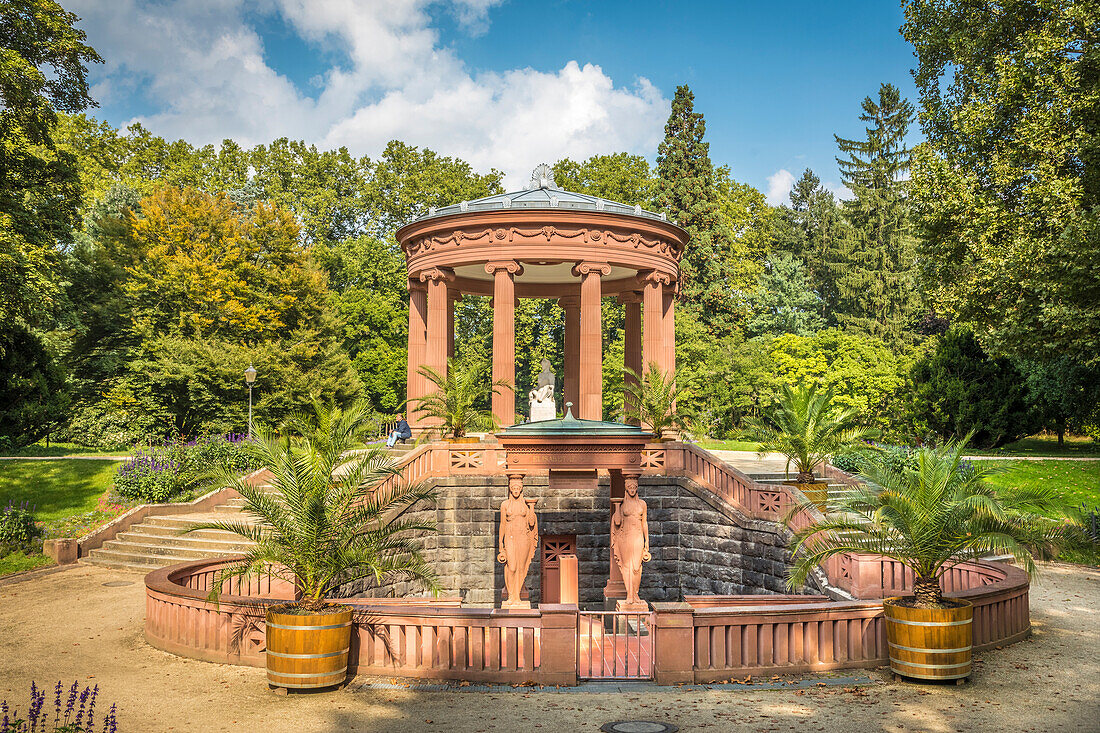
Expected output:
(543, 242)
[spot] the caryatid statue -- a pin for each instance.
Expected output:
(541, 399)
(519, 536)
(630, 540)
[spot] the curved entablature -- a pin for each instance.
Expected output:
(547, 243)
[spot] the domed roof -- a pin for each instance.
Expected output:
(542, 193)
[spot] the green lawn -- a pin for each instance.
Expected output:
(1077, 481)
(64, 449)
(56, 489)
(1046, 445)
(728, 445)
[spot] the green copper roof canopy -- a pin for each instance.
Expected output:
(570, 425)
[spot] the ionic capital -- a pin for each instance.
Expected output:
(511, 266)
(436, 274)
(655, 277)
(570, 301)
(587, 268)
(630, 296)
(415, 285)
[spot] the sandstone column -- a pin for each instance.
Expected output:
(453, 296)
(669, 329)
(572, 307)
(435, 349)
(632, 346)
(591, 340)
(653, 307)
(504, 337)
(418, 324)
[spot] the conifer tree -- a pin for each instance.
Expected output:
(686, 192)
(821, 233)
(876, 277)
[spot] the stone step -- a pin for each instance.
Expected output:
(153, 530)
(157, 550)
(135, 560)
(228, 543)
(182, 521)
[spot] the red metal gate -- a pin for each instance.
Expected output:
(614, 645)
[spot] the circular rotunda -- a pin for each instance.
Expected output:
(543, 242)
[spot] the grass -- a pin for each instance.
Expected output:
(58, 491)
(1077, 481)
(743, 445)
(1044, 444)
(17, 562)
(54, 450)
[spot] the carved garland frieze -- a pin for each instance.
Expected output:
(510, 235)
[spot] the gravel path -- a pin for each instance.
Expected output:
(70, 624)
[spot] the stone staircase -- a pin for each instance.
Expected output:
(836, 491)
(158, 542)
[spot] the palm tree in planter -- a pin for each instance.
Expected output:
(654, 400)
(930, 518)
(807, 427)
(454, 403)
(328, 517)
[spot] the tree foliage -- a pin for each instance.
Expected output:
(686, 191)
(876, 277)
(1007, 187)
(42, 72)
(959, 389)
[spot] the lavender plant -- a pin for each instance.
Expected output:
(77, 715)
(163, 472)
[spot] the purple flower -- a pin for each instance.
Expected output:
(71, 703)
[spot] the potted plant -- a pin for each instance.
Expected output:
(327, 517)
(929, 517)
(654, 400)
(454, 403)
(807, 426)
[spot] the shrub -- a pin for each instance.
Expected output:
(847, 462)
(151, 476)
(18, 529)
(73, 713)
(163, 472)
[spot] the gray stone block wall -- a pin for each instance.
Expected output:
(699, 544)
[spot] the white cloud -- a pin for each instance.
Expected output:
(779, 186)
(200, 64)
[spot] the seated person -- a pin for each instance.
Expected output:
(401, 432)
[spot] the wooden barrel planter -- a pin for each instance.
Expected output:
(817, 492)
(307, 650)
(930, 643)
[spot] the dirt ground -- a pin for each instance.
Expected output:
(69, 624)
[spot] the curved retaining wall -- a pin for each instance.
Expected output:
(437, 638)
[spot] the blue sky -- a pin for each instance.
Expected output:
(503, 84)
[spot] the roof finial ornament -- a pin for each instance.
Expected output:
(543, 177)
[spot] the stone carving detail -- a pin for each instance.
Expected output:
(546, 233)
(630, 540)
(466, 459)
(519, 536)
(768, 502)
(653, 458)
(542, 397)
(542, 177)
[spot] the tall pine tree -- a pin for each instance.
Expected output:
(820, 233)
(876, 276)
(686, 192)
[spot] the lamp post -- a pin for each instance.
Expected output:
(250, 377)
